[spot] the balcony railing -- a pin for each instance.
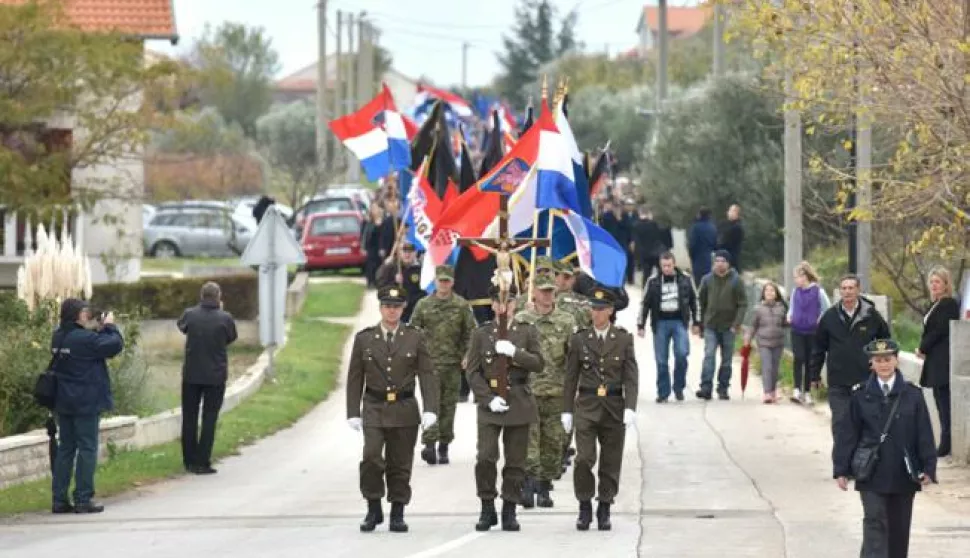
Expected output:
(18, 234)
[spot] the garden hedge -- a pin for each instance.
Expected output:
(166, 298)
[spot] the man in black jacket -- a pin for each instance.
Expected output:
(730, 236)
(886, 404)
(843, 332)
(670, 302)
(208, 331)
(649, 242)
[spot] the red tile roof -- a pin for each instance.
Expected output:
(681, 21)
(150, 19)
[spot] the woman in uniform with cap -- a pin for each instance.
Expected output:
(887, 447)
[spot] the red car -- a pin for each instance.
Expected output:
(332, 240)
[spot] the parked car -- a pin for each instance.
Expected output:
(197, 230)
(332, 240)
(327, 203)
(147, 212)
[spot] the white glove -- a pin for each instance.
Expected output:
(505, 347)
(629, 417)
(567, 422)
(428, 420)
(498, 405)
(355, 423)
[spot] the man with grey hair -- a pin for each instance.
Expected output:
(208, 331)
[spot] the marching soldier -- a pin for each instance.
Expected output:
(448, 323)
(568, 299)
(408, 275)
(601, 387)
(384, 363)
(496, 416)
(555, 327)
(544, 267)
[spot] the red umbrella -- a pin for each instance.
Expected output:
(745, 365)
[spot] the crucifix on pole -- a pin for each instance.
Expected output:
(503, 247)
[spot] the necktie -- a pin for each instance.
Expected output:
(885, 390)
(390, 338)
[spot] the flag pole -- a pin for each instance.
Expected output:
(532, 263)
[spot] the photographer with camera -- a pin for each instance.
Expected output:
(208, 330)
(80, 347)
(886, 445)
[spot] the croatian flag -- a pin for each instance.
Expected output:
(600, 255)
(376, 134)
(427, 95)
(579, 173)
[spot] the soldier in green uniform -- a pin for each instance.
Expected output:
(568, 299)
(544, 266)
(385, 361)
(496, 415)
(601, 387)
(447, 321)
(555, 327)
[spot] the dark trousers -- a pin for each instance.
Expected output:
(840, 399)
(886, 524)
(610, 433)
(647, 265)
(77, 453)
(942, 396)
(196, 448)
(515, 442)
(388, 455)
(801, 348)
(630, 266)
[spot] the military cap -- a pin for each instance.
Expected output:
(494, 292)
(444, 272)
(544, 263)
(407, 246)
(882, 347)
(601, 298)
(544, 282)
(565, 268)
(391, 295)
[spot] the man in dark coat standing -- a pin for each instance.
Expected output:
(888, 414)
(649, 243)
(701, 244)
(731, 236)
(208, 330)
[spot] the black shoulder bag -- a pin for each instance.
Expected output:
(865, 458)
(45, 388)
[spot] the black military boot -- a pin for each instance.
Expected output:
(374, 517)
(528, 496)
(603, 517)
(509, 523)
(429, 454)
(585, 515)
(397, 524)
(488, 518)
(443, 453)
(543, 500)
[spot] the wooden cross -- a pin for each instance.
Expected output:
(503, 247)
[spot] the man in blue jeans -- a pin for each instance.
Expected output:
(723, 302)
(80, 347)
(670, 302)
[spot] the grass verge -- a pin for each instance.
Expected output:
(306, 370)
(334, 300)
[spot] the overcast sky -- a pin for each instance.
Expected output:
(424, 36)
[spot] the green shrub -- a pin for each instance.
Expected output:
(166, 298)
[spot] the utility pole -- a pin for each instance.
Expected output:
(719, 16)
(464, 65)
(794, 241)
(365, 62)
(863, 173)
(338, 86)
(322, 112)
(353, 169)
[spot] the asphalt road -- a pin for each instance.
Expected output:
(718, 479)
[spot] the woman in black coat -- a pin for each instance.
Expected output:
(934, 349)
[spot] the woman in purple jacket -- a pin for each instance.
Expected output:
(808, 302)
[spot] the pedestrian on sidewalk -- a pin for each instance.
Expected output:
(701, 243)
(447, 322)
(669, 301)
(934, 349)
(544, 460)
(843, 333)
(385, 362)
(768, 331)
(208, 330)
(497, 416)
(808, 302)
(723, 302)
(886, 446)
(80, 347)
(602, 384)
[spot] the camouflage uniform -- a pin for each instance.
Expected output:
(544, 266)
(448, 324)
(544, 461)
